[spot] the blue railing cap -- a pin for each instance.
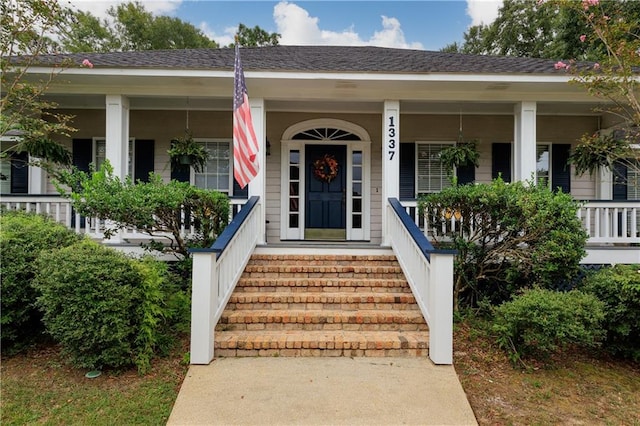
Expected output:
(223, 240)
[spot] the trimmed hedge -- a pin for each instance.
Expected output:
(619, 288)
(23, 237)
(107, 310)
(539, 322)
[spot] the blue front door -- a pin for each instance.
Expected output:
(326, 179)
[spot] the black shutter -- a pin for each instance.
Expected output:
(466, 174)
(560, 169)
(239, 192)
(143, 165)
(82, 153)
(19, 173)
(407, 171)
(619, 181)
(501, 161)
(82, 156)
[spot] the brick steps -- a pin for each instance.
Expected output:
(322, 305)
(325, 319)
(325, 300)
(320, 343)
(323, 284)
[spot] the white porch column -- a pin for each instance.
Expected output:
(390, 160)
(117, 134)
(117, 140)
(37, 178)
(524, 141)
(258, 185)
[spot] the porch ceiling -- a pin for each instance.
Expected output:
(215, 88)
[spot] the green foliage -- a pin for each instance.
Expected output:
(23, 237)
(28, 29)
(539, 323)
(131, 27)
(153, 207)
(596, 151)
(619, 288)
(186, 148)
(509, 236)
(255, 37)
(88, 299)
(108, 310)
(461, 154)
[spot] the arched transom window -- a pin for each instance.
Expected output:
(327, 133)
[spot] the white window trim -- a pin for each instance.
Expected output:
(192, 172)
(131, 166)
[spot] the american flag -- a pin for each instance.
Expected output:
(245, 143)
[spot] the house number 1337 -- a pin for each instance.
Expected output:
(391, 133)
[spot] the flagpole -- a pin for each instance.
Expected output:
(249, 138)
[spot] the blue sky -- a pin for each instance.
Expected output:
(426, 25)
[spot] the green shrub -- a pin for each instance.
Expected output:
(511, 236)
(156, 208)
(108, 310)
(619, 289)
(23, 236)
(540, 322)
(88, 298)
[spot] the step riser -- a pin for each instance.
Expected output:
(373, 353)
(321, 306)
(320, 289)
(276, 326)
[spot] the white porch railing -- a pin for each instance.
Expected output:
(216, 271)
(430, 275)
(611, 221)
(60, 210)
(606, 222)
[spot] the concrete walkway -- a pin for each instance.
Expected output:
(321, 391)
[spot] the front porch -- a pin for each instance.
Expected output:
(613, 226)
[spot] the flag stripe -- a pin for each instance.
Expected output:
(245, 143)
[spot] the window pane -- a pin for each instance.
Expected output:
(293, 221)
(357, 205)
(293, 204)
(542, 164)
(357, 189)
(217, 171)
(431, 174)
(294, 188)
(294, 172)
(294, 157)
(357, 173)
(357, 157)
(357, 221)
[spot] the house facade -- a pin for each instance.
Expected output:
(378, 116)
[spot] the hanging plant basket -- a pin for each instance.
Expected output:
(185, 152)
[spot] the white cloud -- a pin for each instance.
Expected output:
(224, 39)
(99, 8)
(483, 11)
(297, 27)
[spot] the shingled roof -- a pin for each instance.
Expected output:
(314, 59)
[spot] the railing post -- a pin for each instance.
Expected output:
(441, 308)
(204, 295)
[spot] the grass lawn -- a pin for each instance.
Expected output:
(38, 388)
(581, 388)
